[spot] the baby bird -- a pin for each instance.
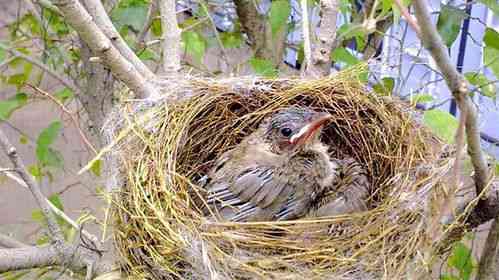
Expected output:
(276, 173)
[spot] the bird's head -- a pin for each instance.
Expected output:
(293, 128)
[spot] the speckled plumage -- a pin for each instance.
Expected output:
(271, 175)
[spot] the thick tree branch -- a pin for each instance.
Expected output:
(76, 15)
(257, 27)
(459, 88)
(320, 64)
(75, 258)
(487, 267)
(96, 9)
(171, 36)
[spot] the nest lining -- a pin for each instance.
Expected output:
(162, 235)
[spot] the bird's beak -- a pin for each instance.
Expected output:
(305, 133)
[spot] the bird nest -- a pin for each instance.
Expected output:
(160, 230)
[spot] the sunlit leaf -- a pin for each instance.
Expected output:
(449, 23)
(194, 44)
(461, 259)
(491, 59)
(156, 27)
(491, 38)
(279, 13)
(96, 167)
(263, 67)
(487, 88)
(18, 79)
(8, 106)
(148, 54)
(350, 30)
(35, 171)
(64, 95)
(421, 98)
(441, 123)
(385, 87)
(342, 55)
(56, 201)
(231, 39)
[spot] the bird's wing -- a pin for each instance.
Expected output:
(348, 193)
(253, 189)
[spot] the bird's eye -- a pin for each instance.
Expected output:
(286, 131)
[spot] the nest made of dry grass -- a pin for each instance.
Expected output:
(162, 235)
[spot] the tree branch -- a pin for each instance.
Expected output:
(9, 242)
(96, 9)
(320, 61)
(57, 76)
(55, 231)
(76, 15)
(459, 88)
(257, 27)
(171, 36)
(487, 267)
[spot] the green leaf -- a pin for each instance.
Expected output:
(23, 139)
(64, 95)
(350, 30)
(448, 277)
(449, 23)
(35, 171)
(491, 59)
(441, 123)
(231, 39)
(156, 27)
(8, 106)
(2, 55)
(421, 98)
(14, 275)
(96, 167)
(497, 169)
(491, 38)
(385, 87)
(37, 216)
(263, 67)
(461, 259)
(342, 55)
(279, 13)
(492, 5)
(44, 153)
(131, 13)
(194, 45)
(56, 200)
(148, 54)
(480, 81)
(18, 79)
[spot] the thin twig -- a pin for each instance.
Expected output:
(305, 24)
(59, 77)
(55, 231)
(408, 17)
(66, 111)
